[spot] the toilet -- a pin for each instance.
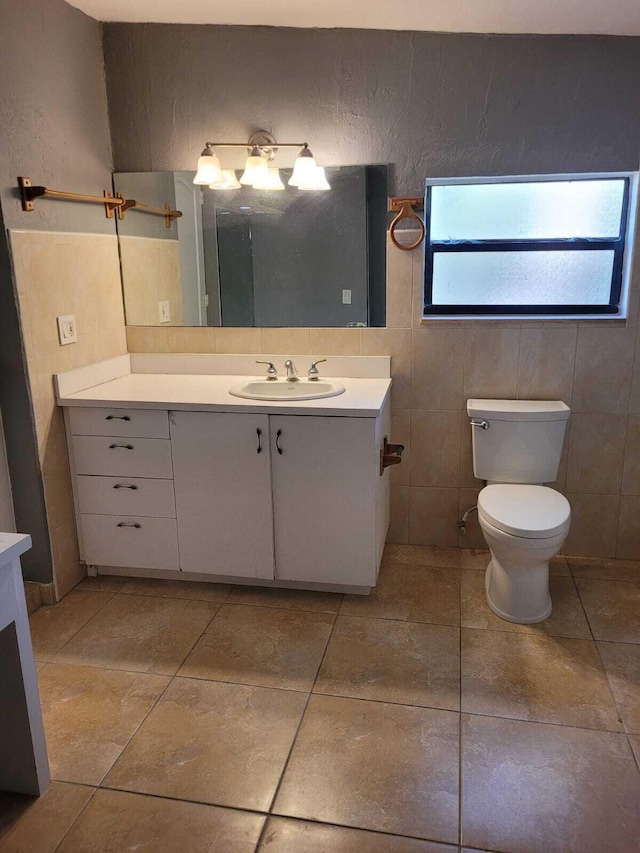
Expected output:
(516, 448)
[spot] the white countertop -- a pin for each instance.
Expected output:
(362, 398)
(12, 545)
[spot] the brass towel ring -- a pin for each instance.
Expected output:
(406, 208)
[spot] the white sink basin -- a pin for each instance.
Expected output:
(261, 389)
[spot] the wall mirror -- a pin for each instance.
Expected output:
(249, 257)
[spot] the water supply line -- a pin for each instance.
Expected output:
(462, 524)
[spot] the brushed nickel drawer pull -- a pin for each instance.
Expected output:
(121, 446)
(128, 524)
(125, 486)
(117, 418)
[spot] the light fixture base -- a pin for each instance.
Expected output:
(265, 142)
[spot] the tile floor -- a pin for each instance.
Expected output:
(192, 717)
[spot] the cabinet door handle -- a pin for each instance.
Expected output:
(128, 524)
(259, 434)
(121, 446)
(125, 486)
(278, 448)
(117, 418)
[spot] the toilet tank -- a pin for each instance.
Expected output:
(517, 441)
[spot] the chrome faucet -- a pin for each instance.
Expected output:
(292, 373)
(272, 373)
(314, 373)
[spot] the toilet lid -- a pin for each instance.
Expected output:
(532, 512)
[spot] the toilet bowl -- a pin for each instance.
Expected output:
(524, 527)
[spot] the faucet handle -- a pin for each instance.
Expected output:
(272, 373)
(314, 373)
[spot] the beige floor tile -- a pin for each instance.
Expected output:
(103, 583)
(263, 646)
(115, 821)
(178, 589)
(473, 558)
(140, 633)
(567, 618)
(423, 555)
(597, 568)
(622, 665)
(534, 788)
(53, 625)
(634, 741)
(410, 593)
(224, 744)
(284, 835)
(289, 599)
(36, 825)
(90, 714)
(372, 765)
(404, 662)
(612, 608)
(535, 677)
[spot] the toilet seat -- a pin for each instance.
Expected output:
(528, 512)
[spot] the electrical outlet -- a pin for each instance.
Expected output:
(346, 297)
(164, 312)
(67, 332)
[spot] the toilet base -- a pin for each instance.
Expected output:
(521, 618)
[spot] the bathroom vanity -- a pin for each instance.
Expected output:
(173, 476)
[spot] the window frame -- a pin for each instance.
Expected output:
(621, 246)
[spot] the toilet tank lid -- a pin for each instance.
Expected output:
(519, 410)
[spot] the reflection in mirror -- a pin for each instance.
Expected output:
(249, 257)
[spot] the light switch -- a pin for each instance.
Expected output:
(346, 297)
(164, 312)
(67, 332)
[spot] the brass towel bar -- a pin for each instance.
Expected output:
(30, 193)
(406, 209)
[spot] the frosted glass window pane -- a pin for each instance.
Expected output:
(527, 211)
(522, 278)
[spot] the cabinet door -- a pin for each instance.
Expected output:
(324, 499)
(223, 493)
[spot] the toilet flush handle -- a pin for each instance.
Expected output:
(481, 424)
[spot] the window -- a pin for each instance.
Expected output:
(526, 246)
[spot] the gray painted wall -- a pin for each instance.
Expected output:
(53, 129)
(156, 188)
(428, 103)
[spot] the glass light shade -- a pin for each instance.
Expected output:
(228, 182)
(316, 180)
(304, 166)
(270, 181)
(254, 169)
(209, 171)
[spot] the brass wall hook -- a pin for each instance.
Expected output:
(406, 208)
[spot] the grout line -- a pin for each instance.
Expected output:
(84, 624)
(77, 817)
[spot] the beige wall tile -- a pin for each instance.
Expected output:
(335, 341)
(433, 516)
(596, 453)
(399, 287)
(401, 434)
(236, 340)
(631, 476)
(634, 402)
(397, 344)
(286, 341)
(546, 363)
(66, 559)
(437, 362)
(151, 274)
(398, 532)
(629, 528)
(604, 364)
(113, 342)
(435, 457)
(191, 339)
(594, 525)
(472, 538)
(418, 286)
(147, 339)
(491, 361)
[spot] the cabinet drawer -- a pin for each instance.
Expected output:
(130, 541)
(140, 423)
(118, 456)
(126, 496)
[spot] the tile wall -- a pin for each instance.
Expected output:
(60, 273)
(151, 274)
(593, 366)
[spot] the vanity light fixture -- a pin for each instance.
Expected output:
(262, 149)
